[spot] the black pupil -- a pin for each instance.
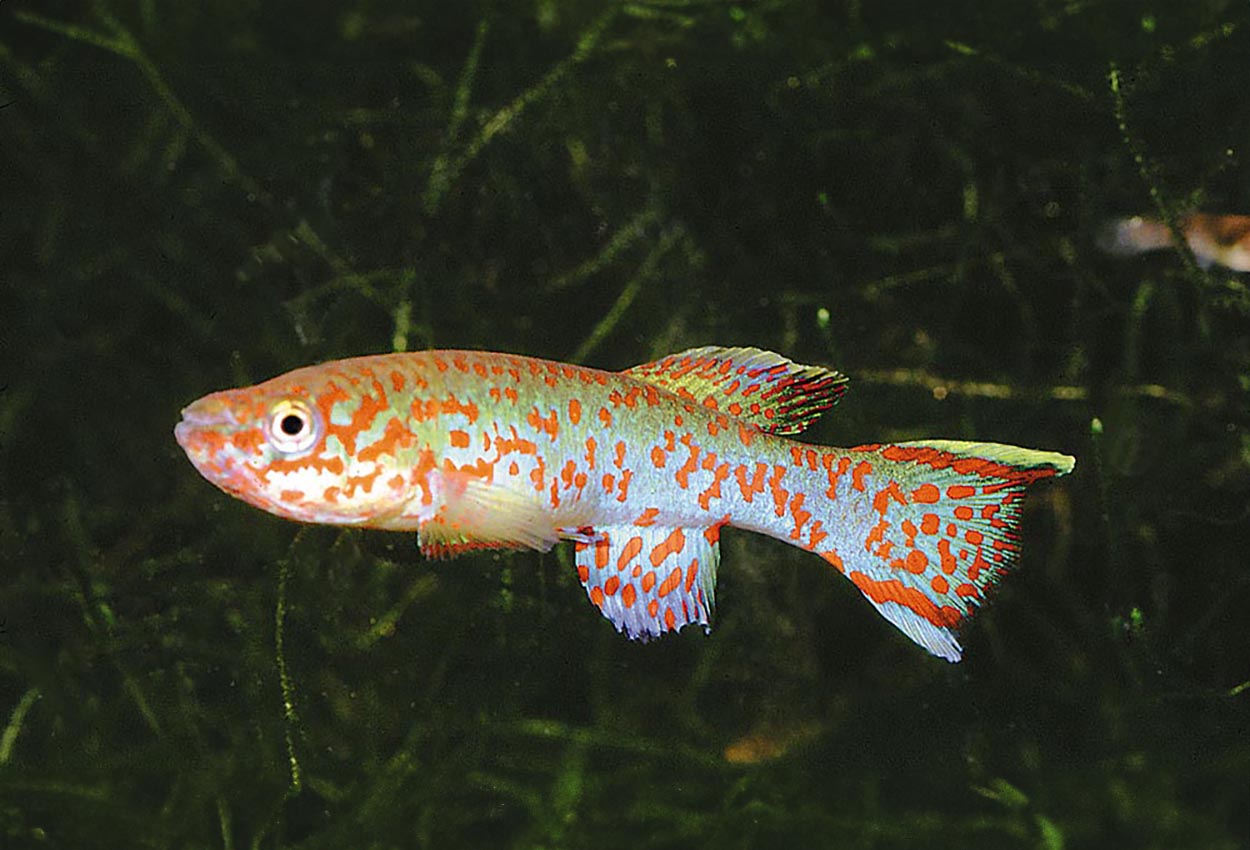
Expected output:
(291, 425)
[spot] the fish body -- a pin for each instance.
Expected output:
(1214, 239)
(642, 469)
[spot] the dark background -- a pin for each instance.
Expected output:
(196, 196)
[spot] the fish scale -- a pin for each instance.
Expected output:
(642, 469)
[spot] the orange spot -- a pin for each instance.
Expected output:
(780, 494)
(746, 434)
(881, 501)
(602, 550)
(691, 573)
(670, 619)
(713, 491)
(926, 494)
(857, 474)
(653, 607)
(755, 485)
(628, 595)
(609, 482)
(800, 516)
(929, 523)
(844, 463)
(647, 518)
(692, 464)
(611, 585)
(397, 381)
(671, 583)
(590, 452)
(963, 512)
(949, 564)
(916, 561)
(395, 436)
(876, 534)
(596, 596)
(548, 424)
(291, 495)
(833, 558)
(939, 584)
(817, 535)
(459, 439)
(619, 460)
(513, 468)
(974, 537)
(623, 487)
(960, 491)
(631, 550)
(605, 416)
(893, 590)
(658, 457)
(575, 411)
(675, 542)
(648, 581)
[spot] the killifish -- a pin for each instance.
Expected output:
(1220, 239)
(641, 469)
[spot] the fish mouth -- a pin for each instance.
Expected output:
(207, 414)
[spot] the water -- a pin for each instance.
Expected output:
(196, 199)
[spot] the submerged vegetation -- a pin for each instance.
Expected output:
(197, 198)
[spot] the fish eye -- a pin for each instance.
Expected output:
(291, 427)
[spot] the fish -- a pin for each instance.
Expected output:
(1222, 240)
(641, 469)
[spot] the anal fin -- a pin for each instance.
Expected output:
(650, 580)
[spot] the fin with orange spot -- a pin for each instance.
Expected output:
(945, 529)
(469, 512)
(769, 391)
(650, 580)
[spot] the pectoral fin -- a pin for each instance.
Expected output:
(469, 512)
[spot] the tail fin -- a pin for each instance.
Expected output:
(1134, 235)
(945, 530)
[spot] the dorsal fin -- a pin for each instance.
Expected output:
(765, 389)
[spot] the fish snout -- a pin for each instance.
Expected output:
(209, 415)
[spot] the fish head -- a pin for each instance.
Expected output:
(289, 446)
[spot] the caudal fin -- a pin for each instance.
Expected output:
(1133, 235)
(944, 529)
